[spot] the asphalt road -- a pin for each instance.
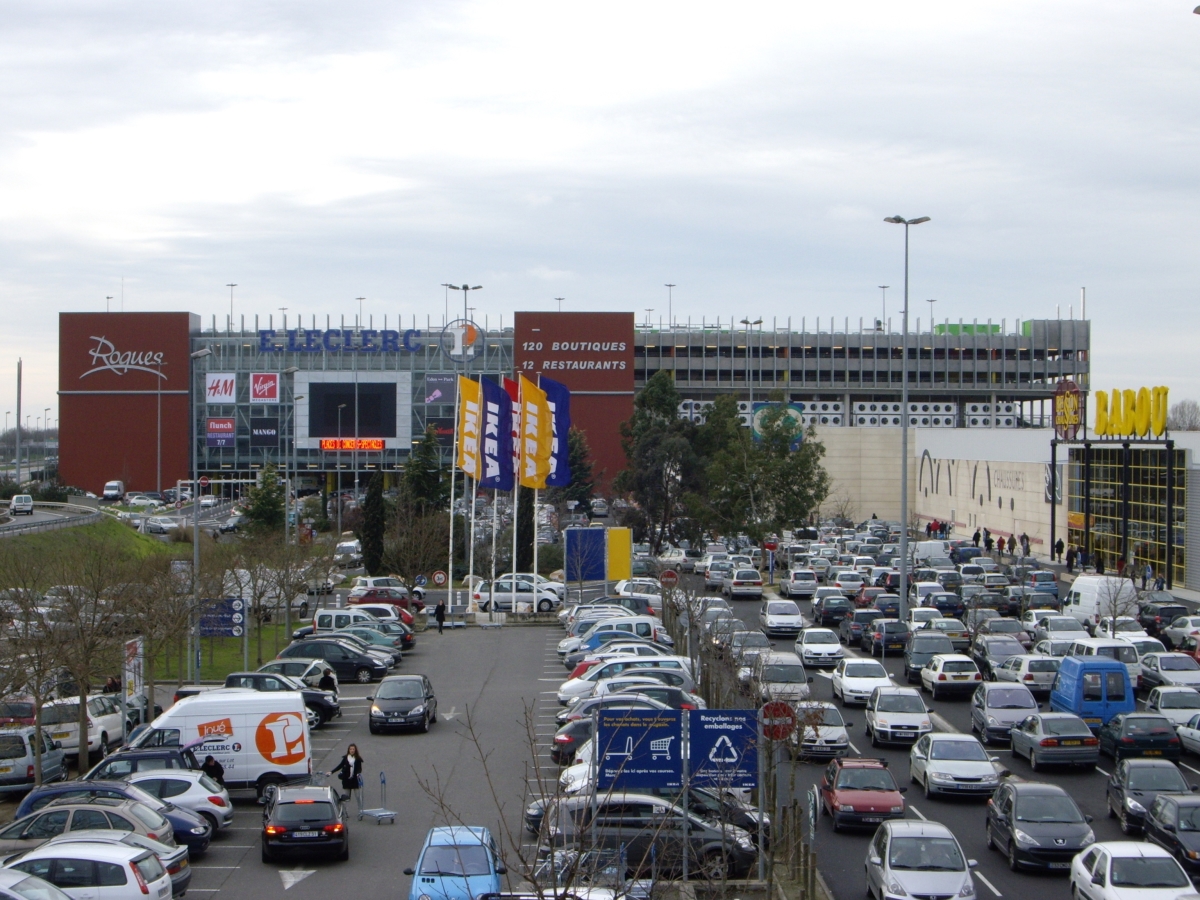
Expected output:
(840, 856)
(39, 515)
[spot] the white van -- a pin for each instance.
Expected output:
(113, 490)
(325, 620)
(1121, 651)
(260, 738)
(927, 550)
(1093, 596)
(21, 504)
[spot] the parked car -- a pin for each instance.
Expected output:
(820, 731)
(781, 618)
(65, 816)
(1139, 734)
(922, 647)
(896, 715)
(1058, 627)
(799, 583)
(190, 790)
(951, 763)
(885, 636)
(1037, 826)
(1135, 783)
(1093, 688)
(923, 858)
(350, 663)
(1172, 822)
(85, 870)
(742, 583)
(1169, 669)
(17, 764)
(1159, 614)
(173, 858)
(850, 628)
(954, 630)
(1177, 704)
(1180, 628)
(828, 611)
(1055, 739)
(781, 676)
(998, 706)
(854, 679)
(1011, 627)
(1034, 672)
(991, 650)
(306, 821)
(860, 793)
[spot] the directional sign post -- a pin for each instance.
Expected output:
(639, 749)
(723, 748)
(224, 618)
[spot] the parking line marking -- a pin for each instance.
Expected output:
(1190, 769)
(920, 815)
(991, 887)
(559, 680)
(855, 749)
(941, 724)
(1107, 775)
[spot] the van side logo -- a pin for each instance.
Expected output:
(107, 358)
(280, 738)
(221, 728)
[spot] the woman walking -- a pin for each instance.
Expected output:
(349, 769)
(439, 613)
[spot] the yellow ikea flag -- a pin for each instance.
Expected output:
(620, 553)
(470, 400)
(537, 435)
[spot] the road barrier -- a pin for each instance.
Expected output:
(77, 515)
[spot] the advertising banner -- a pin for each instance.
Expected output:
(220, 387)
(470, 399)
(135, 660)
(223, 618)
(639, 749)
(497, 435)
(443, 427)
(440, 387)
(513, 389)
(584, 553)
(221, 433)
(619, 563)
(559, 399)
(536, 436)
(264, 387)
(264, 432)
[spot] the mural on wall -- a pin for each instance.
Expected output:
(978, 481)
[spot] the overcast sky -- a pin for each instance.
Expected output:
(318, 152)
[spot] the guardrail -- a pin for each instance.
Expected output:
(78, 515)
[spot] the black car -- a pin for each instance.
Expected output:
(568, 740)
(1173, 822)
(1010, 600)
(829, 611)
(323, 703)
(1157, 615)
(1036, 825)
(991, 650)
(1134, 786)
(303, 821)
(1139, 734)
(403, 701)
(922, 648)
(889, 605)
(669, 695)
(851, 628)
(348, 663)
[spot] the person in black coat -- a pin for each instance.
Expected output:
(439, 613)
(349, 769)
(214, 770)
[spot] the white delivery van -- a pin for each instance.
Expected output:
(325, 620)
(1094, 596)
(926, 550)
(259, 737)
(113, 490)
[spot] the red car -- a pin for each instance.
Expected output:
(860, 793)
(385, 596)
(865, 598)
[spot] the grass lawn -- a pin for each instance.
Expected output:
(220, 656)
(120, 537)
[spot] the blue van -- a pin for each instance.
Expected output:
(1093, 688)
(457, 862)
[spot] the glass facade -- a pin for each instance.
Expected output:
(1147, 505)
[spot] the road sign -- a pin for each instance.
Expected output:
(439, 578)
(640, 749)
(179, 504)
(669, 578)
(723, 748)
(203, 481)
(223, 618)
(421, 581)
(778, 720)
(770, 545)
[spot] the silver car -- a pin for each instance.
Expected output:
(190, 790)
(951, 763)
(907, 858)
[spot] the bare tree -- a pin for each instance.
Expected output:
(840, 505)
(1184, 416)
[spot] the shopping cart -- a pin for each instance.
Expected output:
(380, 812)
(661, 747)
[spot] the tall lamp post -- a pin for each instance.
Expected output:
(45, 438)
(670, 306)
(287, 460)
(341, 406)
(900, 220)
(195, 630)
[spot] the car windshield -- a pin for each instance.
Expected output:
(828, 637)
(866, 670)
(971, 751)
(1148, 872)
(1178, 664)
(1148, 725)
(783, 609)
(1004, 647)
(1179, 700)
(36, 889)
(16, 710)
(1149, 645)
(748, 639)
(925, 854)
(61, 714)
(400, 690)
(1065, 727)
(1047, 808)
(1156, 778)
(1010, 698)
(789, 674)
(866, 779)
(1189, 818)
(958, 665)
(900, 703)
(1128, 625)
(1043, 665)
(1004, 626)
(1126, 655)
(1064, 624)
(455, 860)
(948, 625)
(298, 813)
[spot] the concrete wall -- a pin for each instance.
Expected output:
(864, 467)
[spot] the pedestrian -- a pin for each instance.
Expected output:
(1099, 564)
(214, 770)
(1070, 556)
(439, 613)
(112, 685)
(1058, 549)
(1120, 566)
(1024, 543)
(328, 682)
(1160, 583)
(349, 769)
(975, 538)
(1012, 545)
(1147, 574)
(987, 544)
(1083, 559)
(928, 529)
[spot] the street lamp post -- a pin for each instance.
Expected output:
(900, 220)
(360, 311)
(231, 286)
(45, 429)
(341, 406)
(670, 306)
(195, 631)
(287, 459)
(883, 288)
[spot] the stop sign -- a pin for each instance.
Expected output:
(778, 720)
(771, 545)
(203, 481)
(669, 578)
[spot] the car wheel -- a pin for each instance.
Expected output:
(1012, 857)
(363, 675)
(425, 725)
(928, 790)
(371, 728)
(1126, 827)
(1112, 813)
(304, 610)
(874, 738)
(1033, 760)
(212, 822)
(933, 693)
(987, 834)
(836, 826)
(345, 854)
(714, 867)
(266, 856)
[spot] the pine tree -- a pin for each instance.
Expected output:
(428, 488)
(583, 483)
(264, 508)
(374, 523)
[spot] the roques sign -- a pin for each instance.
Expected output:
(107, 358)
(1132, 413)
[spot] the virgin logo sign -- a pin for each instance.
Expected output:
(107, 358)
(264, 387)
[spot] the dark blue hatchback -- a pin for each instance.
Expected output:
(190, 829)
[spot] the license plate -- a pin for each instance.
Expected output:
(872, 820)
(5, 769)
(1152, 753)
(1071, 743)
(60, 734)
(960, 677)
(1060, 865)
(163, 891)
(305, 834)
(895, 646)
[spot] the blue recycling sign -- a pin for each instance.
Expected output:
(723, 748)
(639, 748)
(223, 618)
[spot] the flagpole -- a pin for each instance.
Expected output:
(492, 582)
(453, 460)
(535, 539)
(471, 552)
(517, 476)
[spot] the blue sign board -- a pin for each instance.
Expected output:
(723, 748)
(640, 748)
(584, 552)
(223, 618)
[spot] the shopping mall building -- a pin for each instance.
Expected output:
(145, 397)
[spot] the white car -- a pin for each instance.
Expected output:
(1189, 734)
(848, 582)
(143, 502)
(1178, 704)
(820, 731)
(1121, 626)
(188, 789)
(854, 679)
(633, 586)
(799, 583)
(896, 715)
(1034, 671)
(951, 763)
(108, 871)
(1030, 619)
(1142, 645)
(919, 617)
(819, 647)
(1170, 669)
(543, 583)
(1124, 870)
(950, 673)
(105, 725)
(209, 500)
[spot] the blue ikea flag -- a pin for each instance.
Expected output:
(497, 458)
(559, 398)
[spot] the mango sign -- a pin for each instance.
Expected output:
(1132, 414)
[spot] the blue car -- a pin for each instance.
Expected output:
(457, 862)
(190, 828)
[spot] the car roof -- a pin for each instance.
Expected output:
(897, 689)
(455, 834)
(954, 657)
(118, 853)
(1131, 848)
(913, 828)
(303, 792)
(950, 736)
(401, 678)
(1143, 763)
(862, 762)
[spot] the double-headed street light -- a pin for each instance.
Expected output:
(195, 631)
(900, 220)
